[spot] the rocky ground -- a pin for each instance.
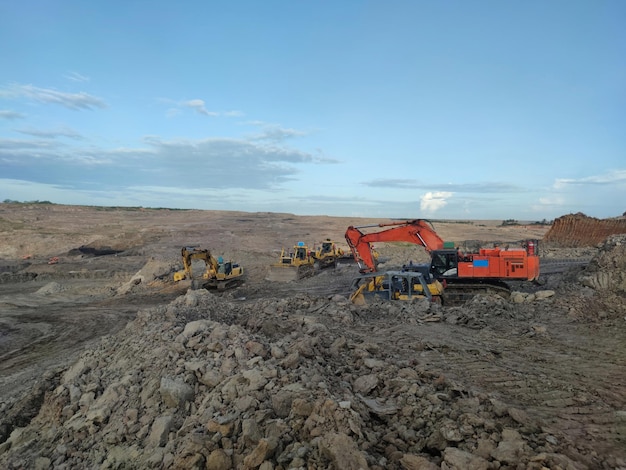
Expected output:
(106, 363)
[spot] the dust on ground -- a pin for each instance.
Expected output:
(106, 362)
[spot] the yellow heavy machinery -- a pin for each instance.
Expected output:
(293, 265)
(217, 274)
(394, 285)
(327, 254)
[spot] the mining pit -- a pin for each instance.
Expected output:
(106, 362)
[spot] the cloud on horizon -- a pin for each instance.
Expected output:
(431, 202)
(191, 163)
(609, 178)
(485, 187)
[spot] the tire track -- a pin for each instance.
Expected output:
(569, 384)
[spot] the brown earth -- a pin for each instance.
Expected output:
(574, 230)
(105, 362)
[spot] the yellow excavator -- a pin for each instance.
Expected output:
(327, 254)
(218, 273)
(293, 265)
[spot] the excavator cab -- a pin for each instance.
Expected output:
(292, 265)
(327, 254)
(301, 253)
(226, 268)
(444, 263)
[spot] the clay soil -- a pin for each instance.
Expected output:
(561, 361)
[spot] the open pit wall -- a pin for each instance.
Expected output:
(579, 230)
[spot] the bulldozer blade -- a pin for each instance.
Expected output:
(289, 273)
(280, 274)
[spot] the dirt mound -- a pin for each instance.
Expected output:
(607, 270)
(151, 271)
(50, 288)
(597, 291)
(205, 382)
(93, 251)
(577, 230)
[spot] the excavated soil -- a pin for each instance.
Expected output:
(107, 363)
(580, 230)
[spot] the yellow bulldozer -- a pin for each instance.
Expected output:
(327, 254)
(293, 265)
(217, 273)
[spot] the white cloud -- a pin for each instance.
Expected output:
(433, 201)
(199, 106)
(548, 205)
(77, 77)
(551, 201)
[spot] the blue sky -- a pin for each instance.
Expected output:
(418, 109)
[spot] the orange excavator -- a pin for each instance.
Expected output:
(462, 275)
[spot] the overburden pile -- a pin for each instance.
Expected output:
(578, 230)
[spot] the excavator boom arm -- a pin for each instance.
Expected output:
(189, 254)
(416, 231)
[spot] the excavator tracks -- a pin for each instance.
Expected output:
(457, 293)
